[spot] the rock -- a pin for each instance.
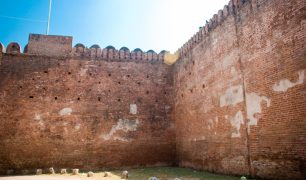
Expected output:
(177, 179)
(124, 175)
(75, 171)
(38, 171)
(243, 178)
(106, 174)
(63, 171)
(25, 172)
(90, 174)
(51, 170)
(10, 172)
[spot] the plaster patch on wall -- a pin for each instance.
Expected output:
(37, 117)
(83, 71)
(65, 112)
(133, 108)
(236, 122)
(125, 125)
(284, 84)
(253, 104)
(232, 96)
(77, 127)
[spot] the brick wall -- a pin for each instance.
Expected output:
(76, 113)
(240, 92)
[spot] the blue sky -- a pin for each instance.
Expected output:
(146, 24)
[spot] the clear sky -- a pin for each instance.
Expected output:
(146, 24)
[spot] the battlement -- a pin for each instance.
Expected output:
(231, 9)
(61, 46)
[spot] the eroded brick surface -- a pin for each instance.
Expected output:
(69, 113)
(239, 93)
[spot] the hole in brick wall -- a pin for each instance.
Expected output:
(89, 90)
(100, 65)
(147, 92)
(189, 73)
(165, 77)
(119, 66)
(128, 76)
(33, 79)
(193, 62)
(46, 72)
(109, 91)
(58, 64)
(109, 74)
(55, 98)
(165, 92)
(69, 72)
(182, 95)
(20, 87)
(56, 80)
(44, 88)
(139, 100)
(68, 89)
(119, 100)
(80, 65)
(79, 81)
(90, 74)
(119, 82)
(31, 97)
(191, 90)
(99, 82)
(203, 86)
(79, 98)
(99, 98)
(138, 83)
(156, 101)
(148, 76)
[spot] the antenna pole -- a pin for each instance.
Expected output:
(49, 17)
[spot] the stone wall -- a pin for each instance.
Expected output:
(240, 91)
(77, 112)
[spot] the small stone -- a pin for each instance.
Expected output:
(106, 174)
(63, 171)
(38, 171)
(243, 178)
(10, 172)
(25, 172)
(90, 174)
(51, 170)
(124, 175)
(75, 171)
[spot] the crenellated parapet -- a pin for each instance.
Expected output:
(231, 9)
(61, 47)
(110, 53)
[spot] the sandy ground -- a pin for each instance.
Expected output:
(61, 177)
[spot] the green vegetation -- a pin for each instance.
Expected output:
(170, 173)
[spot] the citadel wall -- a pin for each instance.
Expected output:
(240, 102)
(85, 110)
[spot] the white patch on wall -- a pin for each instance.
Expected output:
(37, 117)
(77, 127)
(232, 96)
(133, 108)
(284, 84)
(125, 125)
(65, 112)
(236, 122)
(253, 104)
(83, 71)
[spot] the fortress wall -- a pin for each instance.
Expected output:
(239, 92)
(81, 113)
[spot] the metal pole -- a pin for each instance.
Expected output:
(49, 17)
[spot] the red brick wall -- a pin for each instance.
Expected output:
(240, 92)
(75, 113)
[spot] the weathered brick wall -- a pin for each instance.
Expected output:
(77, 113)
(240, 92)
